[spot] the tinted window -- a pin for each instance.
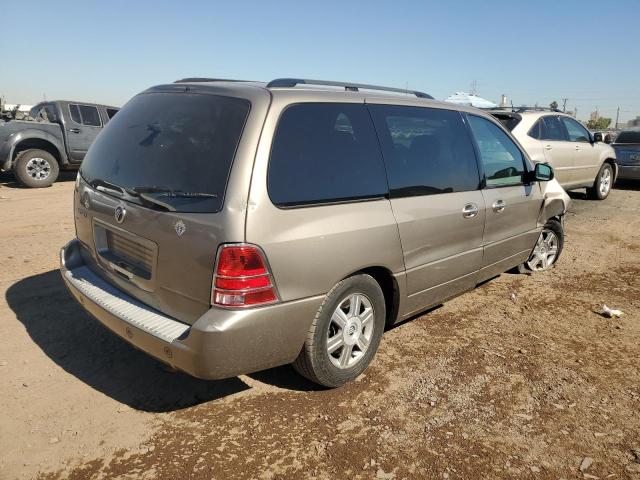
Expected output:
(90, 116)
(75, 114)
(427, 151)
(536, 130)
(628, 137)
(509, 121)
(576, 132)
(552, 129)
(111, 112)
(177, 141)
(501, 158)
(325, 152)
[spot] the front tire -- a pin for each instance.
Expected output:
(36, 168)
(547, 249)
(345, 333)
(603, 183)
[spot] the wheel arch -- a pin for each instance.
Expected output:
(36, 143)
(390, 289)
(614, 166)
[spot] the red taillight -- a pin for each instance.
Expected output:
(242, 278)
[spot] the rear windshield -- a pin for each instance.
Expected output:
(628, 137)
(175, 147)
(508, 121)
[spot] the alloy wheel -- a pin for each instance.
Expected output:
(38, 168)
(545, 252)
(350, 331)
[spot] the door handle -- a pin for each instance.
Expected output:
(577, 147)
(548, 147)
(499, 206)
(470, 210)
(74, 130)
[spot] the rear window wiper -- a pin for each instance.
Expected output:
(168, 192)
(111, 188)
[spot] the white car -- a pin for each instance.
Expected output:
(579, 159)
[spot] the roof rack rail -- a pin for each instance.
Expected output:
(204, 79)
(349, 87)
(528, 109)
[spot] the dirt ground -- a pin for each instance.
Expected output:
(521, 378)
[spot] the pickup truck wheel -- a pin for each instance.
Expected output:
(36, 168)
(547, 249)
(345, 333)
(603, 183)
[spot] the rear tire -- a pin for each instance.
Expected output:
(547, 249)
(603, 183)
(35, 168)
(345, 333)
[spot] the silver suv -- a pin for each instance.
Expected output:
(579, 159)
(228, 227)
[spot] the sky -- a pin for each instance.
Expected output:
(533, 51)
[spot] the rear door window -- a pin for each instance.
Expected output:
(576, 132)
(178, 147)
(325, 153)
(552, 129)
(427, 151)
(502, 160)
(90, 115)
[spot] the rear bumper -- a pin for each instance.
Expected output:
(628, 172)
(220, 344)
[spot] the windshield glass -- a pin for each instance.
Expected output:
(177, 148)
(632, 136)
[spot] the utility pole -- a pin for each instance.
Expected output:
(617, 117)
(474, 88)
(564, 104)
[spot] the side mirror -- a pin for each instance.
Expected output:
(543, 172)
(597, 137)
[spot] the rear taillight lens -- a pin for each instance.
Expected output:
(242, 277)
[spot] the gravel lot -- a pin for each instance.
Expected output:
(521, 378)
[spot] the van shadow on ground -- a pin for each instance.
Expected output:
(84, 348)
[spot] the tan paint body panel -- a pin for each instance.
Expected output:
(432, 251)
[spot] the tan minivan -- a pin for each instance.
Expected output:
(227, 227)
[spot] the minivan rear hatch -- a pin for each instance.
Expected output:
(151, 194)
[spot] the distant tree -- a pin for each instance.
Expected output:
(600, 124)
(553, 105)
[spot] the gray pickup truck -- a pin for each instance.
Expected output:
(54, 136)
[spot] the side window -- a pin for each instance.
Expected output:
(111, 112)
(427, 151)
(75, 114)
(577, 133)
(536, 130)
(90, 116)
(502, 159)
(323, 153)
(552, 129)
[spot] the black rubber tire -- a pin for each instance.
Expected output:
(556, 226)
(593, 193)
(313, 361)
(23, 177)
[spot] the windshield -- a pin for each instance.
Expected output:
(632, 136)
(177, 148)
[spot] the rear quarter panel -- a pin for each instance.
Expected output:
(311, 249)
